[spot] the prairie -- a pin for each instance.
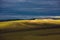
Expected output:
(45, 29)
(29, 24)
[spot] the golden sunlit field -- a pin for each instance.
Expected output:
(28, 24)
(44, 29)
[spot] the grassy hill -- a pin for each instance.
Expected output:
(45, 29)
(25, 24)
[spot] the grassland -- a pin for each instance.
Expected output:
(30, 30)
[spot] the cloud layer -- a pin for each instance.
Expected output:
(32, 6)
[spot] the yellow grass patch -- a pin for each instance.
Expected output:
(24, 23)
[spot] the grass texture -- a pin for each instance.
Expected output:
(30, 30)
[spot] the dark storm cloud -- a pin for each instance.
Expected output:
(16, 9)
(30, 5)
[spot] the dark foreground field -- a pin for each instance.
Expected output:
(43, 34)
(30, 30)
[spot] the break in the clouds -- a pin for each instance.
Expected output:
(30, 7)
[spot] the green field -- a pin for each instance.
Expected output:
(30, 30)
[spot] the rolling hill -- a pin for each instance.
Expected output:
(44, 29)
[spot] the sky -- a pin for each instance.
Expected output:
(29, 8)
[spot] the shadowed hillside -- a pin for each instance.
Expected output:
(44, 29)
(29, 24)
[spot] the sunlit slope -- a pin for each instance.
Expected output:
(9, 30)
(26, 24)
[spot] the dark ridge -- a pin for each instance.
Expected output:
(28, 19)
(28, 29)
(13, 20)
(10, 20)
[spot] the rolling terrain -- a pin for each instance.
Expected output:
(44, 29)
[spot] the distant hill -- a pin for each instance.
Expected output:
(48, 17)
